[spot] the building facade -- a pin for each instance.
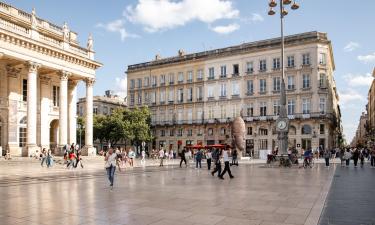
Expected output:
(103, 105)
(40, 66)
(193, 98)
(360, 138)
(370, 126)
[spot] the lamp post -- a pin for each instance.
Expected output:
(80, 127)
(282, 122)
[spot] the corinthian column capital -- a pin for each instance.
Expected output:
(32, 67)
(90, 82)
(12, 71)
(64, 75)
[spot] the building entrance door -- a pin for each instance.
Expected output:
(249, 147)
(306, 143)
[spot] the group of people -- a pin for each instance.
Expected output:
(72, 156)
(356, 154)
(46, 157)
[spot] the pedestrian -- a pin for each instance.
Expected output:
(49, 158)
(342, 155)
(362, 156)
(372, 157)
(161, 156)
(355, 157)
(234, 157)
(110, 165)
(71, 159)
(183, 157)
(327, 155)
(208, 158)
(216, 158)
(43, 157)
(347, 157)
(143, 160)
(198, 159)
(79, 158)
(226, 165)
(131, 157)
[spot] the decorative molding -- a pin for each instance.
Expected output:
(32, 67)
(12, 71)
(64, 75)
(72, 83)
(90, 82)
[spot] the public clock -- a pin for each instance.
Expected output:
(281, 125)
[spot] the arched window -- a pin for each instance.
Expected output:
(306, 129)
(22, 132)
(292, 130)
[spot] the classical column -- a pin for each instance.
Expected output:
(72, 108)
(89, 117)
(44, 111)
(13, 78)
(63, 112)
(32, 68)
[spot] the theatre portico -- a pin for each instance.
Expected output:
(40, 66)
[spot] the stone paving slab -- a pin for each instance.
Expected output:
(170, 196)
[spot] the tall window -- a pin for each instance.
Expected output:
(250, 131)
(180, 132)
(153, 97)
(276, 63)
(210, 91)
(132, 84)
(321, 129)
(154, 81)
(276, 107)
(180, 115)
(211, 73)
(223, 71)
(250, 110)
(322, 58)
(162, 79)
(139, 82)
(210, 112)
(249, 67)
(180, 95)
(306, 59)
(200, 93)
(291, 83)
(263, 145)
(223, 89)
(262, 85)
(223, 111)
(322, 105)
(276, 83)
(147, 81)
(190, 132)
(56, 95)
(305, 105)
(22, 132)
(305, 80)
(235, 88)
(291, 61)
(190, 115)
(171, 132)
(234, 111)
(132, 100)
(190, 94)
(139, 98)
(171, 95)
(322, 80)
(262, 65)
(24, 90)
(291, 106)
(162, 96)
(190, 76)
(263, 109)
(180, 77)
(199, 74)
(210, 131)
(222, 131)
(250, 87)
(235, 69)
(199, 114)
(171, 78)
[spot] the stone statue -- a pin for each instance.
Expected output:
(66, 32)
(90, 43)
(33, 19)
(238, 134)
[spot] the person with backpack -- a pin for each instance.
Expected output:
(198, 159)
(216, 158)
(183, 157)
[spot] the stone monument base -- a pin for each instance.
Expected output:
(88, 151)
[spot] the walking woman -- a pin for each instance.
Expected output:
(327, 156)
(226, 165)
(208, 157)
(110, 165)
(355, 157)
(347, 157)
(183, 157)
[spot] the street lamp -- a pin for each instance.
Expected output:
(282, 122)
(80, 127)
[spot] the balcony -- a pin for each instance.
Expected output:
(171, 82)
(291, 88)
(161, 102)
(262, 70)
(236, 96)
(262, 92)
(249, 93)
(276, 91)
(162, 83)
(189, 100)
(200, 99)
(223, 97)
(223, 76)
(153, 85)
(180, 81)
(306, 88)
(199, 78)
(211, 78)
(276, 68)
(189, 81)
(306, 65)
(235, 75)
(211, 99)
(180, 101)
(249, 72)
(289, 67)
(170, 102)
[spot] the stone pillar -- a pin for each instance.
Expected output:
(63, 112)
(13, 85)
(32, 68)
(89, 149)
(72, 108)
(44, 111)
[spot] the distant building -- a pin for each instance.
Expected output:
(371, 113)
(194, 97)
(360, 134)
(102, 105)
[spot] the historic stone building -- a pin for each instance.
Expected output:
(103, 105)
(370, 125)
(360, 138)
(194, 97)
(40, 65)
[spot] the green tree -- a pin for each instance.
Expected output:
(100, 128)
(80, 134)
(139, 120)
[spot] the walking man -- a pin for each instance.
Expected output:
(198, 159)
(43, 156)
(110, 165)
(226, 165)
(216, 158)
(183, 157)
(327, 156)
(161, 156)
(208, 157)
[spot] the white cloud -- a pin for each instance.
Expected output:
(351, 46)
(351, 95)
(356, 80)
(158, 15)
(226, 29)
(117, 26)
(367, 58)
(121, 86)
(256, 17)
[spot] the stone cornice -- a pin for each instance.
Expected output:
(257, 46)
(47, 50)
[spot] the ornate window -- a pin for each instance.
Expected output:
(306, 129)
(22, 132)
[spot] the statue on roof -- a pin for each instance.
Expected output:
(33, 19)
(66, 32)
(90, 43)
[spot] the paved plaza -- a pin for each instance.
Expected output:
(169, 195)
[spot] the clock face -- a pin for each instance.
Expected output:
(281, 124)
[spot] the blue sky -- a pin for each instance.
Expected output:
(132, 31)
